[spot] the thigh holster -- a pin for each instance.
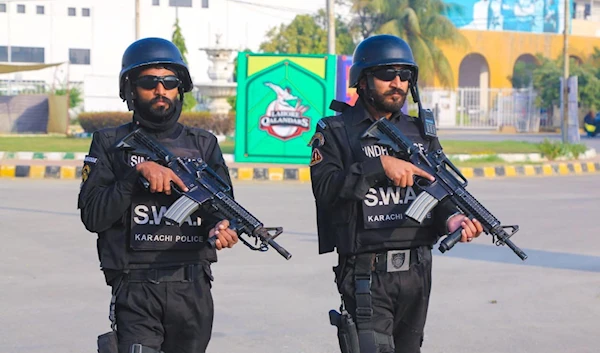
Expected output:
(369, 340)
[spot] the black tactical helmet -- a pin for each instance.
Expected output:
(381, 50)
(152, 51)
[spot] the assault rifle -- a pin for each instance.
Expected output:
(449, 184)
(206, 191)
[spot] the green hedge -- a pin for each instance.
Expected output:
(225, 125)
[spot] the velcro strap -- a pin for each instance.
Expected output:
(138, 348)
(367, 342)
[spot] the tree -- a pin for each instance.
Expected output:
(307, 34)
(522, 74)
(422, 23)
(546, 81)
(189, 102)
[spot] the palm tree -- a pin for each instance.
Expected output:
(422, 23)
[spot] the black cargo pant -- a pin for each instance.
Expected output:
(399, 299)
(169, 310)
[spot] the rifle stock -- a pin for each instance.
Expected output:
(449, 185)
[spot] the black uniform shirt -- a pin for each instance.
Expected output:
(348, 177)
(110, 184)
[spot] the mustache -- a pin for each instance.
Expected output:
(395, 91)
(161, 99)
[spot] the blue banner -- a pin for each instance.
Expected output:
(533, 16)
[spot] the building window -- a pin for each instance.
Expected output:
(205, 4)
(85, 12)
(3, 54)
(2, 7)
(79, 56)
(180, 3)
(20, 8)
(155, 2)
(27, 55)
(587, 12)
(71, 11)
(39, 10)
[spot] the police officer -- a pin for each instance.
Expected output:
(159, 273)
(362, 192)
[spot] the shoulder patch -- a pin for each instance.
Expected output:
(85, 173)
(318, 136)
(316, 157)
(90, 159)
(322, 124)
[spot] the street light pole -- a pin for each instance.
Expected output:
(137, 19)
(330, 28)
(565, 112)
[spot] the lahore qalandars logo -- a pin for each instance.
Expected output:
(283, 118)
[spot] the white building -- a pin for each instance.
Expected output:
(90, 36)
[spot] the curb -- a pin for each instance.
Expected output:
(62, 156)
(303, 173)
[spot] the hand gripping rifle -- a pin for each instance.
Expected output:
(206, 191)
(449, 184)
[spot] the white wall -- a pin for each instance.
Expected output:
(111, 28)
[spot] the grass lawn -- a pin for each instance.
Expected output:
(487, 161)
(66, 144)
(488, 147)
(62, 144)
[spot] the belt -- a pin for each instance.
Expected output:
(185, 273)
(384, 259)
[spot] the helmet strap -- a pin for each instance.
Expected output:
(414, 92)
(370, 88)
(129, 95)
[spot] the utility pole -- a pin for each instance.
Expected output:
(565, 112)
(137, 19)
(330, 28)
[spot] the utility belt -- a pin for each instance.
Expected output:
(389, 261)
(186, 273)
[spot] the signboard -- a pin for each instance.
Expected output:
(533, 16)
(343, 93)
(280, 99)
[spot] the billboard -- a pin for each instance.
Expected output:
(280, 99)
(343, 93)
(532, 16)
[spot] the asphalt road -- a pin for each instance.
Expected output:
(484, 299)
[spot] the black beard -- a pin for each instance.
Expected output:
(383, 105)
(159, 114)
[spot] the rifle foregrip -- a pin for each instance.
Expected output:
(279, 249)
(451, 240)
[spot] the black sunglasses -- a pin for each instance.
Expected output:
(150, 82)
(388, 74)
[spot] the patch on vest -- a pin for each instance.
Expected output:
(316, 157)
(85, 172)
(317, 137)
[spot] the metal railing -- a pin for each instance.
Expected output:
(477, 108)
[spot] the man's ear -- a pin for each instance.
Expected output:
(362, 83)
